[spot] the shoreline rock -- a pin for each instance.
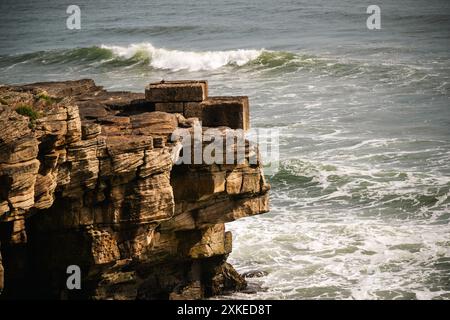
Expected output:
(87, 178)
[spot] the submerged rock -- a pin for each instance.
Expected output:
(255, 274)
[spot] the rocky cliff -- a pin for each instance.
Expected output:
(87, 178)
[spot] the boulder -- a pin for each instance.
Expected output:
(176, 91)
(232, 112)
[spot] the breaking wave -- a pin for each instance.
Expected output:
(141, 54)
(145, 56)
(176, 60)
(374, 191)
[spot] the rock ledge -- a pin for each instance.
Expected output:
(87, 178)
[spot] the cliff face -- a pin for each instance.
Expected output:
(87, 178)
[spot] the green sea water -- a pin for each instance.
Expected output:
(360, 206)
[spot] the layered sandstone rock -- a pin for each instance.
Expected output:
(87, 178)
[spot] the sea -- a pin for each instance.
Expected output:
(360, 203)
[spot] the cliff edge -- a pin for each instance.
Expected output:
(91, 179)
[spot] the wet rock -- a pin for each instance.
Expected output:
(255, 274)
(225, 279)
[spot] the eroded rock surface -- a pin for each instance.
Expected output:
(87, 178)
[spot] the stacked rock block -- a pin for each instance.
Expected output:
(191, 99)
(90, 181)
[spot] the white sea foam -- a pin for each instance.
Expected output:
(347, 259)
(176, 60)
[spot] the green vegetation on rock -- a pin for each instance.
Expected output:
(48, 99)
(27, 111)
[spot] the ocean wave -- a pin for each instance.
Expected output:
(145, 56)
(156, 30)
(348, 258)
(369, 191)
(176, 60)
(64, 56)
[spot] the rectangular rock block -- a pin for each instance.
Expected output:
(232, 209)
(103, 246)
(230, 112)
(196, 186)
(170, 107)
(234, 182)
(210, 242)
(177, 91)
(193, 110)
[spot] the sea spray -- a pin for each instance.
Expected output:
(176, 60)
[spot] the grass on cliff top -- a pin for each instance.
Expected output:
(27, 111)
(46, 98)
